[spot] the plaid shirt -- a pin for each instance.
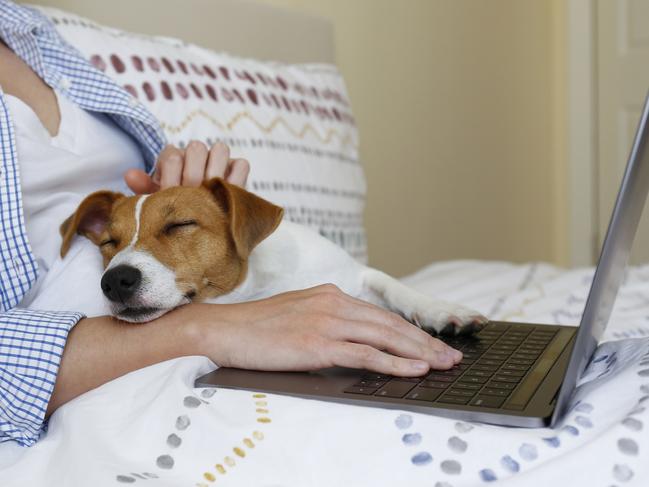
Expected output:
(32, 342)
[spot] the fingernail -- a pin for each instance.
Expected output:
(457, 355)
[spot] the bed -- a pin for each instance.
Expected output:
(152, 427)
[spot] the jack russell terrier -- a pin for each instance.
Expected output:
(222, 244)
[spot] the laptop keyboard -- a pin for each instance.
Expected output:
(495, 362)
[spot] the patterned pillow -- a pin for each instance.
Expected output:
(292, 122)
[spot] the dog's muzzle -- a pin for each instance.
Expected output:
(139, 288)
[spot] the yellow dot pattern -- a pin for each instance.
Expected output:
(240, 450)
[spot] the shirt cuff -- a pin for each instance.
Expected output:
(31, 347)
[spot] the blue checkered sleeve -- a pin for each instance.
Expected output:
(32, 342)
(31, 347)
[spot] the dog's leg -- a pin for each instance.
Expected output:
(427, 313)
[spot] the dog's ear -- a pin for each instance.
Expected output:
(252, 218)
(89, 219)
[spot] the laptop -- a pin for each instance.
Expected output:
(513, 374)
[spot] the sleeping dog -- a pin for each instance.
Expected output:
(222, 244)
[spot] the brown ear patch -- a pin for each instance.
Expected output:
(89, 219)
(252, 218)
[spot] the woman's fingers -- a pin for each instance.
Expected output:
(375, 314)
(195, 164)
(169, 169)
(189, 167)
(140, 182)
(383, 337)
(361, 356)
(217, 161)
(237, 172)
(330, 298)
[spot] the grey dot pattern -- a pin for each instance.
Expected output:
(528, 452)
(451, 467)
(411, 439)
(191, 402)
(421, 458)
(584, 407)
(627, 446)
(633, 424)
(645, 388)
(584, 422)
(173, 440)
(207, 393)
(125, 479)
(463, 427)
(403, 421)
(637, 410)
(622, 473)
(457, 445)
(165, 462)
(442, 484)
(182, 422)
(508, 463)
(644, 373)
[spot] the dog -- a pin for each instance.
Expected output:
(219, 243)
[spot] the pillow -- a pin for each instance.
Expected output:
(292, 122)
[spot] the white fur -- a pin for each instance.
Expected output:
(158, 288)
(138, 216)
(293, 257)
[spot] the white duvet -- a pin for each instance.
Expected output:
(152, 428)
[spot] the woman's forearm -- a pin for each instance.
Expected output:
(101, 349)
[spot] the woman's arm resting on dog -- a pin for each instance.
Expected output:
(300, 330)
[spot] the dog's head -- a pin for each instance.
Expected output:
(172, 247)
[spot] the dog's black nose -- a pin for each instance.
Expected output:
(119, 283)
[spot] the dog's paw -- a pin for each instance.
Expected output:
(447, 319)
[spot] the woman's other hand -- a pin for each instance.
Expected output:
(189, 167)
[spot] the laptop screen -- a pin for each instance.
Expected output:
(612, 261)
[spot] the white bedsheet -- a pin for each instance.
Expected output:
(152, 428)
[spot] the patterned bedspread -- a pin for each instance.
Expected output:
(152, 428)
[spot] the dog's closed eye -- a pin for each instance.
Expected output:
(107, 242)
(172, 227)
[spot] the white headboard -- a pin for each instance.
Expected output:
(240, 27)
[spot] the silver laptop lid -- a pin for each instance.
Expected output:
(612, 261)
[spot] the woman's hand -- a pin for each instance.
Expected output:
(189, 167)
(313, 329)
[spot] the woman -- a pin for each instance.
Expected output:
(66, 130)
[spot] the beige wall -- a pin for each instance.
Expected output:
(460, 107)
